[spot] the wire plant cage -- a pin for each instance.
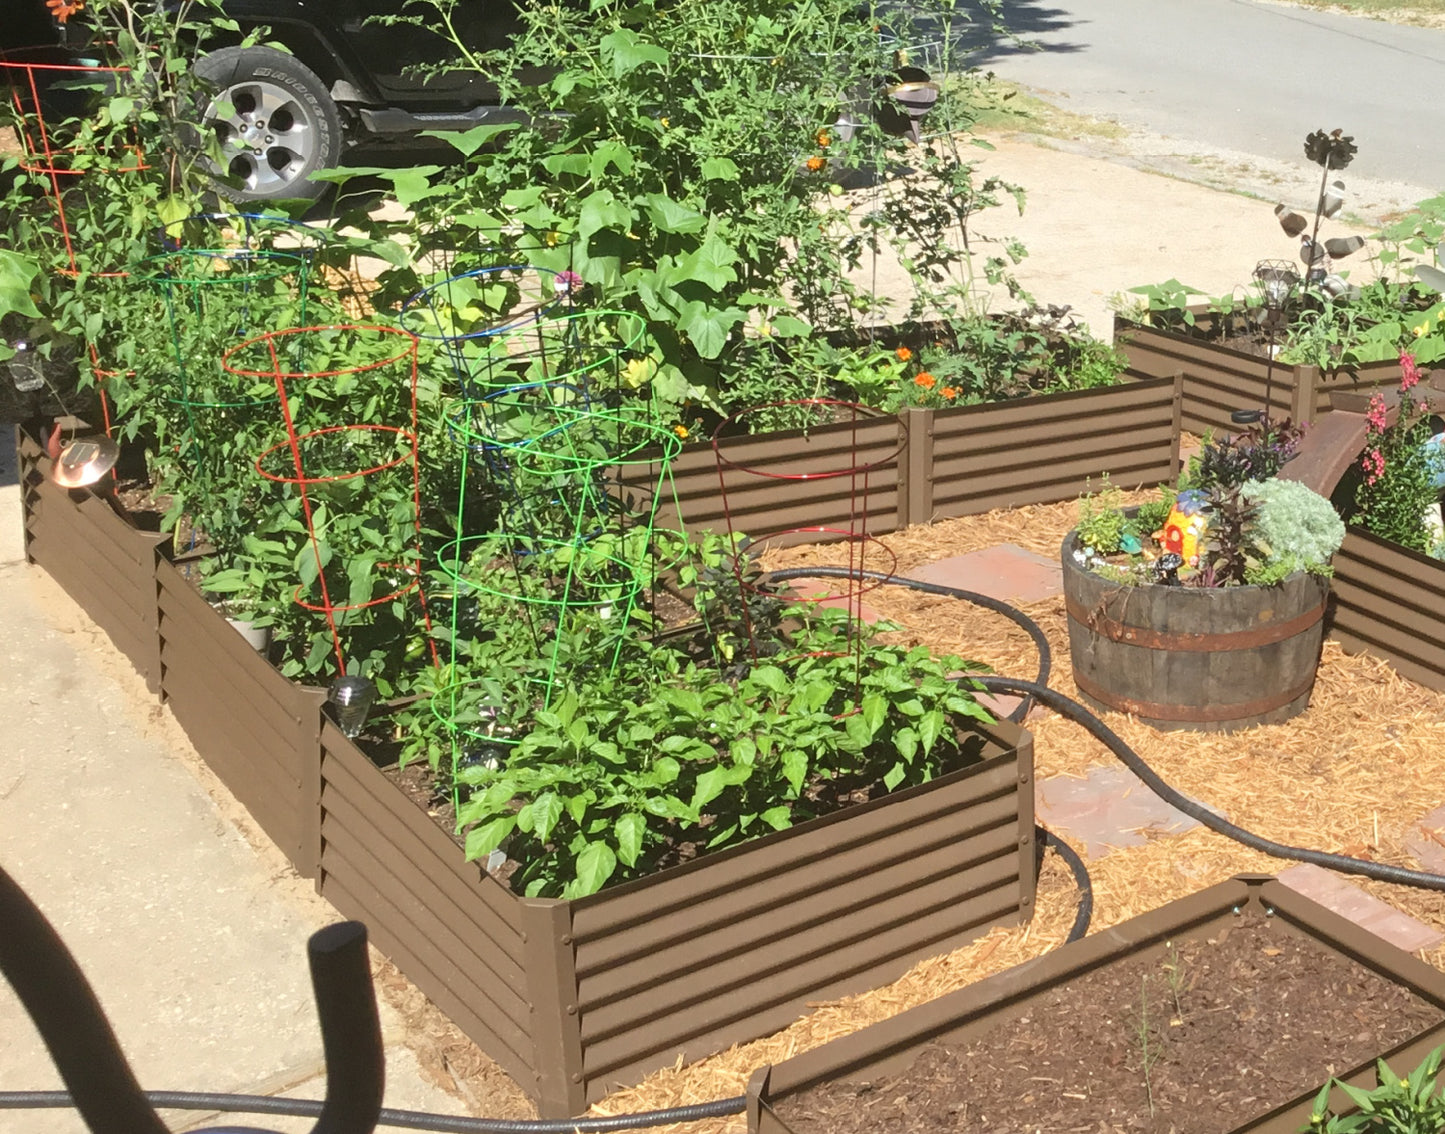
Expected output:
(562, 483)
(845, 460)
(46, 91)
(357, 482)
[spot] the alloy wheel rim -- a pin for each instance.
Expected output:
(267, 138)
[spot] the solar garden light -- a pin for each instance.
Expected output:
(353, 697)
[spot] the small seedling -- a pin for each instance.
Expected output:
(1150, 1048)
(1174, 974)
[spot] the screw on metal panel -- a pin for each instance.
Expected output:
(571, 1009)
(1026, 901)
(1023, 842)
(1269, 911)
(1023, 779)
(566, 939)
(576, 1076)
(1237, 910)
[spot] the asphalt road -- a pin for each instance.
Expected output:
(1238, 74)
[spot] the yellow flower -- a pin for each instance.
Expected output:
(1421, 329)
(637, 372)
(681, 431)
(765, 329)
(666, 123)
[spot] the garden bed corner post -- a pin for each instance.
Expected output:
(915, 467)
(552, 996)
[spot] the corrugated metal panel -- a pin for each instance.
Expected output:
(1391, 602)
(968, 460)
(699, 958)
(451, 929)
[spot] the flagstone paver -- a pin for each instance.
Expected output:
(1007, 572)
(1427, 841)
(1333, 892)
(1106, 810)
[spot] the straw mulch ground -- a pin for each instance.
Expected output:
(1352, 775)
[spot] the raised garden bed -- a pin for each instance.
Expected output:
(1219, 378)
(571, 998)
(1274, 995)
(1389, 601)
(954, 462)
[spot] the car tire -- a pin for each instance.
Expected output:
(274, 121)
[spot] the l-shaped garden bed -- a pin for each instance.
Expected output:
(1219, 1013)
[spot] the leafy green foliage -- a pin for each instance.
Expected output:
(1399, 1104)
(691, 744)
(1397, 478)
(1102, 524)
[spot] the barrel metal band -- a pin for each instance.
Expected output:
(1201, 714)
(1193, 643)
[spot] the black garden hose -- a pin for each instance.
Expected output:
(405, 1119)
(1077, 713)
(1075, 863)
(988, 602)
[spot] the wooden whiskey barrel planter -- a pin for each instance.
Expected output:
(1210, 659)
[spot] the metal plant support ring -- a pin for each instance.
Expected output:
(296, 359)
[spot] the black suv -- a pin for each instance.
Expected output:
(280, 117)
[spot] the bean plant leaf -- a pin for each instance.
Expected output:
(626, 51)
(795, 768)
(17, 275)
(629, 831)
(470, 141)
(669, 216)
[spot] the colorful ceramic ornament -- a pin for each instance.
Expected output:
(1185, 526)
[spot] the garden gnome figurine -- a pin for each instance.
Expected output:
(1185, 526)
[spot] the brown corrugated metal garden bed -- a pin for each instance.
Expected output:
(1389, 601)
(867, 1073)
(1217, 378)
(569, 997)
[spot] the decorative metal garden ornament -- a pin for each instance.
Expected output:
(353, 698)
(84, 461)
(906, 102)
(1277, 281)
(1330, 151)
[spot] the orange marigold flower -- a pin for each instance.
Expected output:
(825, 139)
(816, 163)
(949, 392)
(62, 10)
(903, 354)
(926, 380)
(681, 431)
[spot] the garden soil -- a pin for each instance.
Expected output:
(1352, 775)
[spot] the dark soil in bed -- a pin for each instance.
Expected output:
(1234, 1025)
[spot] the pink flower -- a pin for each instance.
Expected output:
(1409, 372)
(565, 283)
(1376, 414)
(1373, 465)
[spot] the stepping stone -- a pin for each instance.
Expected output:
(1427, 841)
(1107, 810)
(1333, 892)
(1005, 572)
